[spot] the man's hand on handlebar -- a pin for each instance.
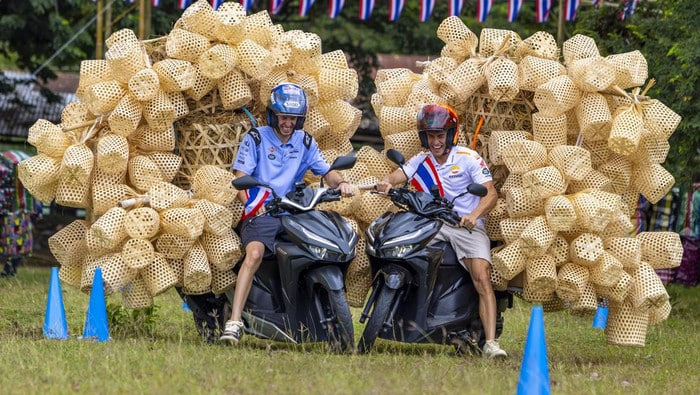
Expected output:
(383, 187)
(346, 189)
(468, 221)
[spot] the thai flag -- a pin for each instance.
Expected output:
(276, 6)
(426, 176)
(366, 7)
(483, 7)
(395, 8)
(216, 3)
(256, 198)
(335, 7)
(155, 3)
(426, 9)
(455, 7)
(246, 5)
(596, 3)
(182, 4)
(628, 7)
(514, 9)
(570, 8)
(542, 7)
(305, 6)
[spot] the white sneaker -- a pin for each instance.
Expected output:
(233, 331)
(493, 350)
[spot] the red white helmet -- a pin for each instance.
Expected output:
(438, 117)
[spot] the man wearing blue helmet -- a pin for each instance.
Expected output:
(277, 155)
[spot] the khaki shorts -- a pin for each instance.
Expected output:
(466, 245)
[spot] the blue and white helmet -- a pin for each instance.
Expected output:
(287, 99)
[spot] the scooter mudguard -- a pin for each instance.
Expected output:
(329, 276)
(395, 277)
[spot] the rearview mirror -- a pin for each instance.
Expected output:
(477, 190)
(246, 182)
(395, 156)
(343, 163)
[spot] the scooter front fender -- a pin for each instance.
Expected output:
(329, 276)
(395, 277)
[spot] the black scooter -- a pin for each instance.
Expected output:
(298, 294)
(420, 292)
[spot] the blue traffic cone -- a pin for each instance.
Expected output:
(600, 319)
(55, 326)
(534, 371)
(96, 317)
(185, 306)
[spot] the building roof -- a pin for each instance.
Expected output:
(21, 108)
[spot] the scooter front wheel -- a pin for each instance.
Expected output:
(382, 306)
(341, 334)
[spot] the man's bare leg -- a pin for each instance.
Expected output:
(480, 271)
(254, 252)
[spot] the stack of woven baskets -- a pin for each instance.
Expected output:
(139, 104)
(571, 149)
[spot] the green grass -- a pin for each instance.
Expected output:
(169, 357)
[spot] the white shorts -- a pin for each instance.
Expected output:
(466, 245)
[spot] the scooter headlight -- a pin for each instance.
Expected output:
(399, 251)
(319, 252)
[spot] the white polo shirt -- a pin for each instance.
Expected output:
(463, 167)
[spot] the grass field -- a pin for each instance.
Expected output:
(166, 355)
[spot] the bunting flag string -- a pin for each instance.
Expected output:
(455, 7)
(426, 9)
(514, 9)
(335, 7)
(216, 3)
(275, 6)
(596, 3)
(542, 7)
(483, 7)
(395, 8)
(628, 8)
(305, 6)
(570, 8)
(182, 4)
(155, 3)
(366, 7)
(246, 4)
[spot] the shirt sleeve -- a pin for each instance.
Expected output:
(478, 170)
(315, 160)
(247, 156)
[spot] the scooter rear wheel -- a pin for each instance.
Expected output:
(383, 304)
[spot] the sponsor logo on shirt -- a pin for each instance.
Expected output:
(271, 157)
(455, 169)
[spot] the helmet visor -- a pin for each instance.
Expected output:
(436, 117)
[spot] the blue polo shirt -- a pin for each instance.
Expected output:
(263, 156)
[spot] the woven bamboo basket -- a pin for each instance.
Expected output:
(541, 44)
(594, 180)
(586, 249)
(173, 246)
(439, 69)
(560, 213)
(593, 116)
(125, 59)
(652, 149)
(147, 139)
(75, 180)
(359, 275)
(407, 143)
(200, 18)
(579, 47)
(512, 181)
(536, 238)
(197, 275)
(557, 96)
(493, 220)
(71, 274)
(535, 71)
(144, 84)
(628, 250)
(541, 274)
(112, 154)
(126, 115)
(48, 138)
(135, 295)
(521, 156)
(115, 273)
(223, 252)
(109, 229)
(626, 326)
(521, 203)
(395, 90)
(88, 274)
(652, 181)
(68, 244)
(235, 92)
(662, 250)
(659, 314)
(592, 74)
(164, 195)
(185, 222)
(143, 173)
(625, 132)
(511, 228)
(103, 96)
(466, 79)
(158, 276)
(159, 112)
(509, 261)
(502, 79)
(619, 171)
(74, 114)
(203, 143)
(178, 268)
(222, 280)
(142, 223)
(395, 120)
(138, 253)
(571, 281)
(500, 139)
(659, 119)
(549, 131)
(230, 27)
(573, 162)
(559, 250)
(532, 296)
(587, 303)
(185, 45)
(607, 272)
(92, 72)
(619, 291)
(218, 219)
(631, 69)
(544, 182)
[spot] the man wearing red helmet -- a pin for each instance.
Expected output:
(450, 168)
